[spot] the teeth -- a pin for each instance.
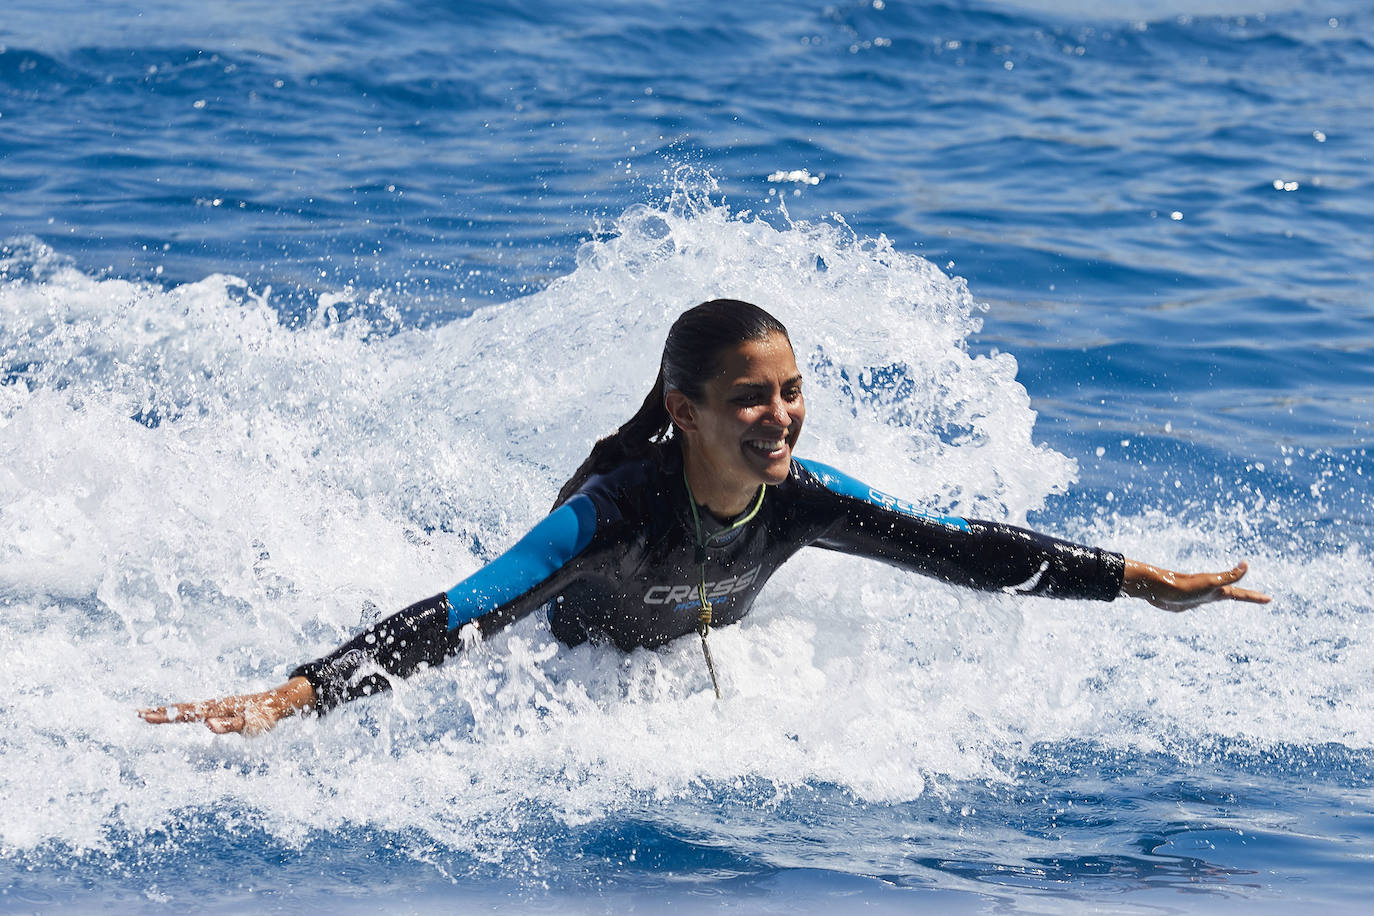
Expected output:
(768, 445)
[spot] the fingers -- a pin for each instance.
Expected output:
(218, 717)
(207, 711)
(1233, 574)
(1173, 591)
(1246, 595)
(1228, 590)
(249, 713)
(161, 715)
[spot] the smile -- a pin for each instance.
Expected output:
(772, 448)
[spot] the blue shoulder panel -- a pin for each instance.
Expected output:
(841, 483)
(562, 535)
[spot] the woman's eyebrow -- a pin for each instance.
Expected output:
(745, 384)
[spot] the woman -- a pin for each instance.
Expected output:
(657, 535)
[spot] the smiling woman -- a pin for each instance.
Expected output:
(675, 522)
(741, 433)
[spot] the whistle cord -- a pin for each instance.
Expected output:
(704, 615)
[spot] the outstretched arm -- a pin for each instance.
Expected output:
(1174, 591)
(394, 647)
(993, 555)
(426, 633)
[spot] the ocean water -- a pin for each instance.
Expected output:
(306, 310)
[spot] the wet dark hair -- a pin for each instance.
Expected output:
(690, 357)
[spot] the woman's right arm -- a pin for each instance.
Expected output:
(427, 632)
(393, 647)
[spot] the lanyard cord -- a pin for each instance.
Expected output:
(704, 615)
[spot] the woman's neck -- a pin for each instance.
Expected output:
(722, 497)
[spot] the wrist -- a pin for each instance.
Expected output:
(297, 694)
(1138, 579)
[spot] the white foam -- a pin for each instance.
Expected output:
(298, 474)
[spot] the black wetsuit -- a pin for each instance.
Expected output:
(618, 562)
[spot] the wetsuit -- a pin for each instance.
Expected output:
(618, 562)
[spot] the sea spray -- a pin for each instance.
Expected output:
(204, 494)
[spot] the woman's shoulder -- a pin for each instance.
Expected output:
(809, 474)
(825, 482)
(634, 482)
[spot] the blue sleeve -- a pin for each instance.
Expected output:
(562, 535)
(978, 554)
(841, 483)
(425, 633)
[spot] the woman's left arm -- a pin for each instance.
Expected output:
(1175, 591)
(994, 555)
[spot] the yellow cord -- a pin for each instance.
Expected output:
(704, 615)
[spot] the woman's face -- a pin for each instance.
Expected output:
(749, 418)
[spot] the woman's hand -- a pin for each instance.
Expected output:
(249, 713)
(1175, 591)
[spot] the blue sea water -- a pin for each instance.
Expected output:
(307, 309)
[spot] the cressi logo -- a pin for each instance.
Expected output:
(672, 594)
(893, 503)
